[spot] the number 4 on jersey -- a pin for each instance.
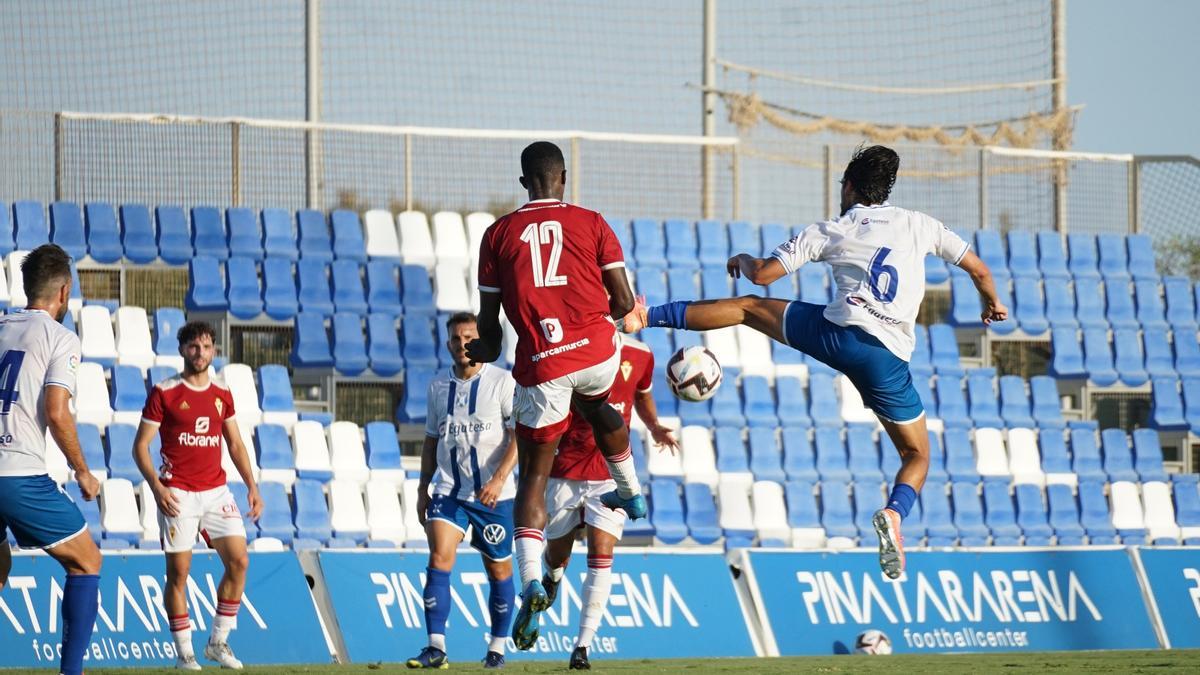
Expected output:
(10, 369)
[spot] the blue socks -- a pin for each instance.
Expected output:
(902, 499)
(80, 603)
(437, 601)
(500, 605)
(670, 315)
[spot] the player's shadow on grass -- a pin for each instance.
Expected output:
(840, 647)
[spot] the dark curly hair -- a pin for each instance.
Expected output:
(872, 172)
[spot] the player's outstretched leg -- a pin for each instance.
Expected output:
(912, 442)
(764, 315)
(535, 458)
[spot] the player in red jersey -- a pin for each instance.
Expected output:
(192, 412)
(560, 274)
(577, 481)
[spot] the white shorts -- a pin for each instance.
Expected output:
(542, 411)
(213, 513)
(575, 503)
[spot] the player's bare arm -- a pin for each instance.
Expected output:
(993, 309)
(486, 348)
(620, 295)
(167, 503)
(489, 494)
(758, 271)
(61, 424)
(241, 461)
(428, 465)
(647, 411)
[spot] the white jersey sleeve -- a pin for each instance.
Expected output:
(808, 246)
(508, 391)
(64, 361)
(943, 243)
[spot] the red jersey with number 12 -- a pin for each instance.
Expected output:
(190, 424)
(545, 260)
(578, 458)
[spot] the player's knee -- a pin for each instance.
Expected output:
(238, 564)
(92, 561)
(441, 560)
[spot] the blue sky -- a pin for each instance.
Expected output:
(1136, 67)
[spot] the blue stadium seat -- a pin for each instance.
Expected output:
(702, 520)
(683, 284)
(208, 233)
(802, 508)
(273, 447)
(310, 511)
(944, 350)
(383, 348)
(279, 292)
(731, 450)
(799, 462)
(766, 459)
(239, 493)
(1148, 458)
(1187, 355)
(245, 237)
(174, 235)
(714, 242)
(1151, 313)
(138, 235)
(244, 295)
(1014, 402)
(310, 346)
(823, 401)
(1060, 306)
(29, 224)
(990, 249)
(985, 407)
(652, 283)
(965, 308)
(1120, 313)
(278, 235)
(1029, 306)
(1094, 515)
(936, 516)
(1000, 516)
(1191, 403)
(1098, 357)
(743, 238)
(837, 516)
(1067, 362)
(349, 343)
(668, 405)
(937, 457)
(814, 284)
(868, 497)
(919, 362)
(1085, 456)
(128, 389)
(1167, 405)
(649, 245)
(925, 392)
(157, 374)
(889, 457)
(323, 417)
(1051, 260)
(1052, 445)
(952, 404)
(206, 285)
(119, 452)
(348, 292)
(832, 462)
(7, 245)
(681, 243)
(1064, 515)
(783, 355)
(315, 240)
(1117, 457)
(90, 511)
(936, 271)
(92, 446)
(1130, 361)
(1004, 293)
(348, 241)
(771, 235)
(1141, 257)
(968, 514)
(103, 235)
(383, 287)
(1089, 306)
(791, 402)
(382, 446)
(1181, 306)
(1083, 261)
(66, 229)
(1047, 407)
(416, 290)
(1160, 361)
(314, 294)
(167, 322)
(275, 389)
(1022, 255)
(1187, 505)
(759, 402)
(1114, 263)
(418, 344)
(864, 454)
(960, 455)
(714, 282)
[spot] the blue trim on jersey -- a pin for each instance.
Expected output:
(455, 477)
(37, 511)
(475, 469)
(491, 529)
(474, 395)
(882, 378)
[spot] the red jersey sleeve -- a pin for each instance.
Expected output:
(646, 381)
(228, 413)
(152, 412)
(489, 279)
(608, 249)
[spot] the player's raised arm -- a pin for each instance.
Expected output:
(758, 271)
(993, 309)
(241, 461)
(61, 423)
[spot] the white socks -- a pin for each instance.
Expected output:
(529, 543)
(624, 474)
(595, 597)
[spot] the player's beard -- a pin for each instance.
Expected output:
(190, 369)
(62, 313)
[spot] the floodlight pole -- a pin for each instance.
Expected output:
(1058, 90)
(312, 108)
(708, 108)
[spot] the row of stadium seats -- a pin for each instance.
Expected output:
(1129, 358)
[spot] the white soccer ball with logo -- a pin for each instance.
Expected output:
(694, 374)
(872, 642)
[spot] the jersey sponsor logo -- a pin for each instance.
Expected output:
(456, 428)
(196, 441)
(554, 351)
(552, 329)
(73, 362)
(859, 302)
(202, 425)
(789, 246)
(494, 533)
(626, 369)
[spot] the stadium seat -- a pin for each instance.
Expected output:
(731, 452)
(29, 225)
(1167, 410)
(714, 242)
(1094, 513)
(1161, 527)
(1033, 515)
(383, 287)
(699, 458)
(736, 514)
(275, 395)
(148, 518)
(928, 402)
(863, 453)
(1187, 508)
(1022, 255)
(1114, 262)
(960, 455)
(1159, 358)
(1056, 462)
(128, 396)
(347, 454)
(1067, 362)
(1121, 312)
(7, 245)
(311, 451)
(312, 277)
(944, 350)
(1064, 515)
(1181, 306)
(279, 289)
(1187, 355)
(649, 244)
(1060, 306)
(1129, 360)
(132, 338)
(744, 238)
(968, 515)
(1024, 462)
(1098, 357)
(814, 284)
(799, 461)
(383, 452)
(1014, 402)
(348, 292)
(1191, 402)
(383, 345)
(990, 249)
(349, 344)
(416, 242)
(93, 450)
(965, 305)
(681, 243)
(852, 407)
(451, 289)
(1083, 261)
(348, 242)
(418, 344)
(1000, 516)
(449, 240)
(245, 237)
(919, 362)
(167, 322)
(723, 344)
(119, 511)
(66, 229)
(279, 236)
(138, 236)
(310, 511)
(315, 240)
(754, 353)
(412, 525)
(985, 407)
(837, 514)
(952, 404)
(90, 511)
(239, 378)
(96, 335)
(1029, 306)
(1151, 313)
(310, 346)
(381, 239)
(1128, 517)
(701, 510)
(766, 459)
(206, 285)
(1141, 257)
(1051, 260)
(991, 457)
(771, 235)
(1085, 454)
(1089, 306)
(385, 517)
(682, 284)
(119, 452)
(936, 271)
(652, 284)
(347, 512)
(770, 515)
(276, 519)
(417, 293)
(244, 295)
(714, 282)
(832, 463)
(174, 235)
(208, 233)
(891, 459)
(276, 461)
(803, 516)
(412, 408)
(936, 516)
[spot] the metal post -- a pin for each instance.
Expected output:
(408, 182)
(235, 163)
(312, 85)
(1135, 183)
(58, 157)
(737, 182)
(827, 177)
(1058, 38)
(983, 194)
(708, 107)
(574, 170)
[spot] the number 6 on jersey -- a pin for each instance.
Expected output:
(536, 235)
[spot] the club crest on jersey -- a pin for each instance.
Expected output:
(73, 362)
(220, 406)
(552, 329)
(626, 369)
(494, 533)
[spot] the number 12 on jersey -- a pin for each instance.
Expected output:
(538, 235)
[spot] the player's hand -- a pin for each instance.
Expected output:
(168, 504)
(734, 266)
(479, 351)
(89, 487)
(422, 504)
(994, 312)
(489, 494)
(254, 500)
(665, 438)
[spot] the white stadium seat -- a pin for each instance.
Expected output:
(723, 344)
(699, 458)
(990, 458)
(5, 291)
(754, 352)
(231, 472)
(92, 405)
(477, 223)
(661, 462)
(450, 289)
(733, 499)
(770, 514)
(1160, 513)
(347, 455)
(412, 525)
(147, 511)
(852, 406)
(416, 246)
(450, 241)
(379, 233)
(174, 361)
(510, 340)
(119, 510)
(16, 280)
(1126, 507)
(267, 545)
(239, 378)
(347, 514)
(134, 346)
(96, 334)
(385, 517)
(1024, 460)
(312, 452)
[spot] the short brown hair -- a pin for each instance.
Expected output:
(194, 329)
(460, 317)
(44, 270)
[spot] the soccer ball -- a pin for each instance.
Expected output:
(872, 642)
(694, 374)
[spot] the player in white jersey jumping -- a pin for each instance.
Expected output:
(470, 442)
(38, 360)
(877, 252)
